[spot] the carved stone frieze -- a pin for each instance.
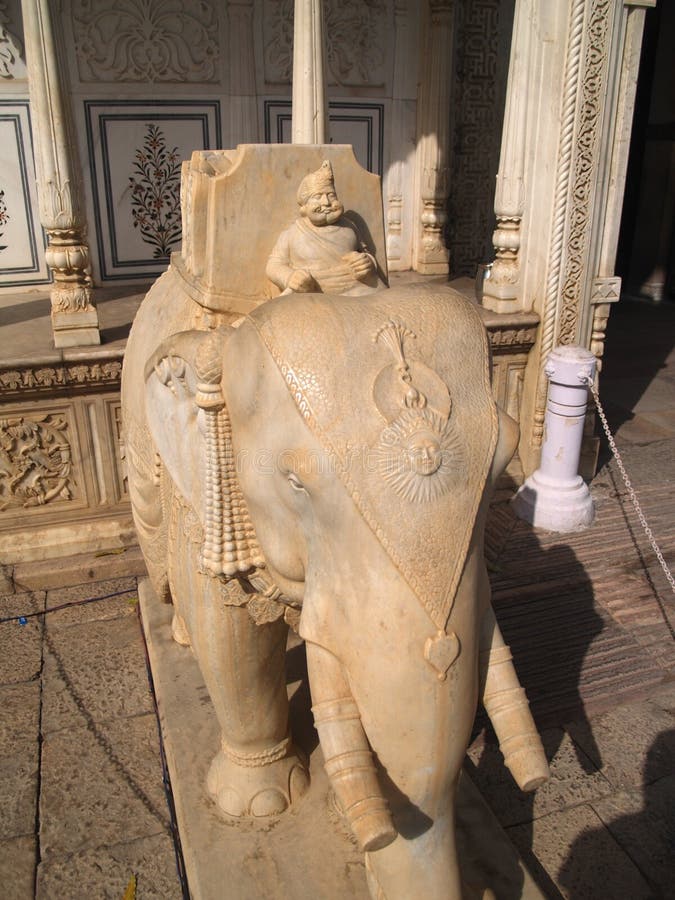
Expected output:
(12, 65)
(154, 41)
(512, 340)
(42, 379)
(35, 460)
(355, 35)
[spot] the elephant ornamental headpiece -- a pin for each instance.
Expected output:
(396, 387)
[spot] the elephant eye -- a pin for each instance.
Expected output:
(295, 482)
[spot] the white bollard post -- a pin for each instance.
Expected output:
(555, 496)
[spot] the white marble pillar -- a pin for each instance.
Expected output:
(555, 496)
(397, 182)
(430, 255)
(74, 316)
(310, 107)
(243, 101)
(501, 290)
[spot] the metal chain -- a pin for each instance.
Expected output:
(631, 492)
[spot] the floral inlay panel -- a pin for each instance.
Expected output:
(4, 218)
(155, 193)
(35, 460)
(146, 40)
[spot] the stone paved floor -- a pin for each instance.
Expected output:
(82, 804)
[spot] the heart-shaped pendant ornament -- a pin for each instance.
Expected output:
(441, 651)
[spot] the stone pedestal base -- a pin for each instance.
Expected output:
(306, 852)
(76, 329)
(503, 305)
(554, 507)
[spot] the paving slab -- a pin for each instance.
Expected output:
(580, 856)
(18, 859)
(664, 697)
(100, 785)
(21, 645)
(19, 778)
(6, 580)
(20, 720)
(111, 607)
(642, 823)
(19, 758)
(104, 872)
(574, 780)
(646, 757)
(85, 567)
(305, 853)
(95, 670)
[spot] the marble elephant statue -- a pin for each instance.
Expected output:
(328, 462)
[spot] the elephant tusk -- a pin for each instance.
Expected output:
(506, 704)
(347, 755)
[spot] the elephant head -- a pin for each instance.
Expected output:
(340, 454)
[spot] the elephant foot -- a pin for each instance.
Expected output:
(260, 784)
(179, 630)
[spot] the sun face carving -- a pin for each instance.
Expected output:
(417, 452)
(418, 455)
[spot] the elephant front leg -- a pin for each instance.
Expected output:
(257, 771)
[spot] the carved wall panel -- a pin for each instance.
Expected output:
(153, 41)
(12, 57)
(357, 34)
(511, 343)
(135, 151)
(61, 474)
(22, 259)
(114, 419)
(38, 460)
(482, 53)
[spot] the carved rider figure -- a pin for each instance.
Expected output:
(322, 250)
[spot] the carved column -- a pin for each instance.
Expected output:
(399, 173)
(430, 255)
(243, 105)
(501, 290)
(74, 317)
(606, 286)
(310, 108)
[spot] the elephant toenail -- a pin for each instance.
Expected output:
(298, 782)
(270, 802)
(230, 802)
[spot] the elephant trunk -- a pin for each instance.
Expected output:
(506, 704)
(347, 755)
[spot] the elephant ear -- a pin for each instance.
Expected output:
(190, 424)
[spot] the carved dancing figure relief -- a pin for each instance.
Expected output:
(322, 250)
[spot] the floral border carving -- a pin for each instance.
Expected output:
(512, 340)
(42, 379)
(585, 165)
